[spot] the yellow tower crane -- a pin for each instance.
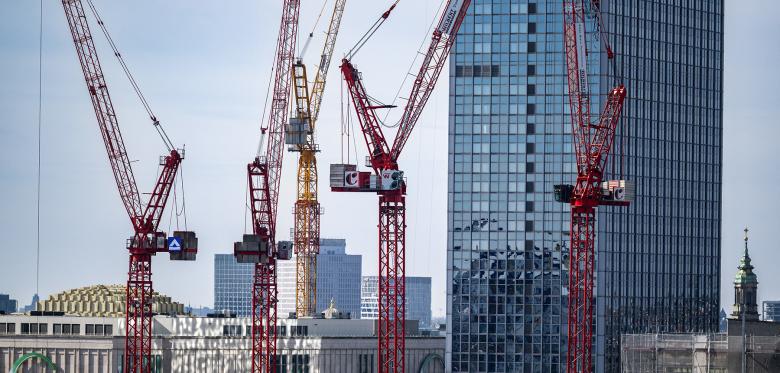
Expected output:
(300, 135)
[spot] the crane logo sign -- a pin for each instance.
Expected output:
(174, 244)
(448, 18)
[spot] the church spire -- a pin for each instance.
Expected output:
(745, 287)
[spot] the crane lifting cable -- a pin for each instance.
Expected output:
(371, 31)
(311, 33)
(160, 130)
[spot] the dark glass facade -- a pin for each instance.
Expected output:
(509, 142)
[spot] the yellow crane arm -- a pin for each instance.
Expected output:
(327, 52)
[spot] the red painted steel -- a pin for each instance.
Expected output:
(391, 333)
(147, 240)
(264, 178)
(592, 145)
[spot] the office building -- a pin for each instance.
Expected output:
(338, 278)
(232, 285)
(208, 345)
(7, 305)
(418, 299)
(510, 142)
(32, 306)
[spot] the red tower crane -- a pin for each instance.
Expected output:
(592, 145)
(147, 239)
(264, 173)
(387, 180)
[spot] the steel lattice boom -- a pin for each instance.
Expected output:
(592, 146)
(261, 247)
(300, 134)
(147, 240)
(388, 182)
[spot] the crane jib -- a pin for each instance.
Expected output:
(582, 59)
(449, 16)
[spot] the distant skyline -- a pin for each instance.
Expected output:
(205, 70)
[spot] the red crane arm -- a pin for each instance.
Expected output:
(576, 63)
(144, 219)
(104, 109)
(162, 190)
(264, 204)
(438, 51)
(369, 124)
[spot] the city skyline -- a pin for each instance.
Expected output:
(77, 178)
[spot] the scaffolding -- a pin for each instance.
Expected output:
(698, 353)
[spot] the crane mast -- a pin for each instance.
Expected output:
(592, 145)
(147, 240)
(263, 173)
(387, 180)
(300, 135)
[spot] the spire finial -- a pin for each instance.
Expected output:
(746, 240)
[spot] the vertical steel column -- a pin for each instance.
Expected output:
(306, 235)
(392, 282)
(581, 265)
(264, 298)
(138, 318)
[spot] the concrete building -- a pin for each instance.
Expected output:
(338, 278)
(194, 344)
(103, 301)
(510, 142)
(7, 305)
(418, 299)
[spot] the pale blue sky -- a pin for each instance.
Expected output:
(204, 67)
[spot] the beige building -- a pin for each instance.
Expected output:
(204, 345)
(103, 301)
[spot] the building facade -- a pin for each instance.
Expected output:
(103, 301)
(338, 279)
(195, 344)
(509, 143)
(418, 299)
(7, 305)
(232, 285)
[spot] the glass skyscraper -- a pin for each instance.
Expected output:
(232, 285)
(418, 299)
(509, 143)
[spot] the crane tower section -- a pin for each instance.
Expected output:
(592, 143)
(147, 240)
(263, 173)
(388, 181)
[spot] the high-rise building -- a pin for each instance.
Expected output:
(232, 285)
(7, 305)
(418, 299)
(338, 278)
(510, 142)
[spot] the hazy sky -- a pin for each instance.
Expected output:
(205, 70)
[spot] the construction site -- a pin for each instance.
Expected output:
(560, 114)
